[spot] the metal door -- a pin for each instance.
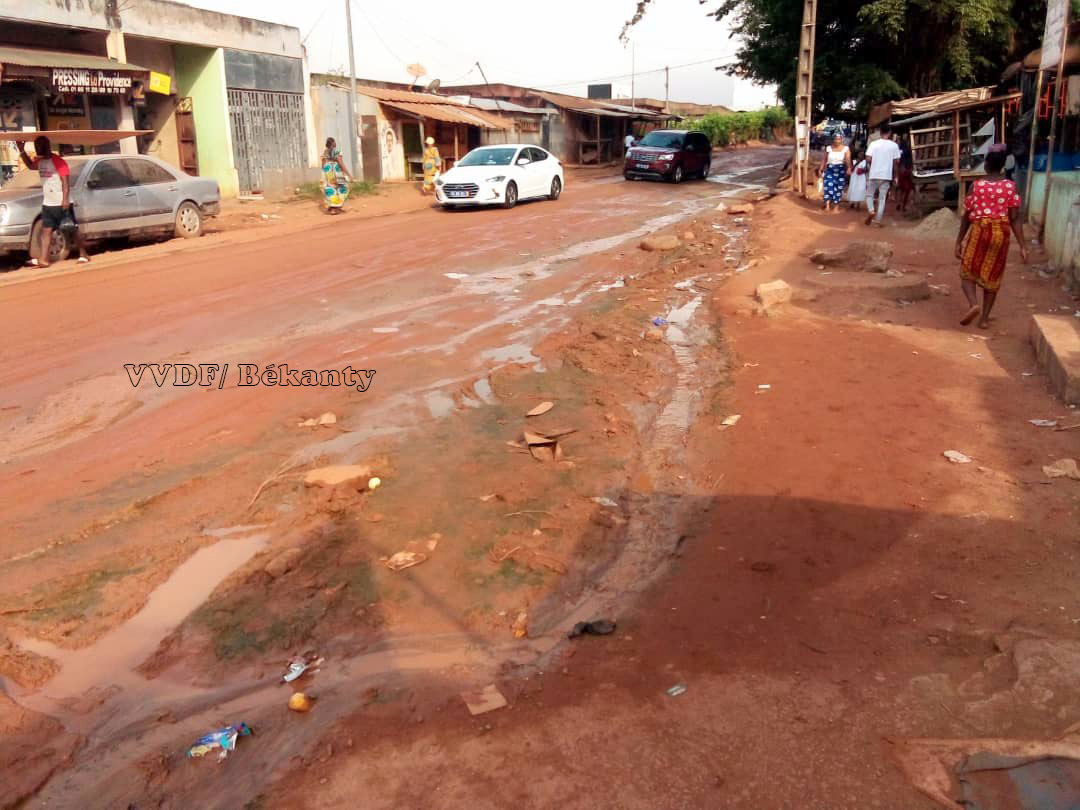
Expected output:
(369, 148)
(185, 131)
(268, 132)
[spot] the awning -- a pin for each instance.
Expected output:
(451, 114)
(69, 72)
(76, 137)
(970, 105)
(939, 104)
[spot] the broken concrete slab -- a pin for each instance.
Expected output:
(660, 243)
(741, 208)
(912, 287)
(862, 255)
(1056, 339)
(773, 293)
(336, 474)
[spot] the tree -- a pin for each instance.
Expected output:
(867, 53)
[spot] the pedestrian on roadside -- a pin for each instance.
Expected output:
(991, 216)
(629, 141)
(56, 207)
(432, 165)
(905, 180)
(856, 194)
(834, 171)
(335, 177)
(882, 161)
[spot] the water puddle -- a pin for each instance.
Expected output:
(439, 404)
(678, 414)
(482, 387)
(111, 660)
(232, 531)
(385, 330)
(513, 353)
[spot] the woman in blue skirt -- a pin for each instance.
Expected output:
(835, 170)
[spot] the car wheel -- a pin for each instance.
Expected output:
(556, 188)
(705, 171)
(188, 220)
(511, 197)
(59, 247)
(677, 175)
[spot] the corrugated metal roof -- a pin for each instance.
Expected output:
(32, 57)
(503, 106)
(937, 103)
(451, 113)
(383, 94)
(589, 106)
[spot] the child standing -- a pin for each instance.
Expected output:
(856, 195)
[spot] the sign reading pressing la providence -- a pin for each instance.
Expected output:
(82, 80)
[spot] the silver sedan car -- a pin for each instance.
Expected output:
(113, 195)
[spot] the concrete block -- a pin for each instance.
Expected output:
(773, 293)
(1056, 339)
(654, 243)
(860, 254)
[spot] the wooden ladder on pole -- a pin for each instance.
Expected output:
(804, 94)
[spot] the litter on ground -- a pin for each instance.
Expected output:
(224, 738)
(484, 700)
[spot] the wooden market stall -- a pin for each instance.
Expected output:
(949, 134)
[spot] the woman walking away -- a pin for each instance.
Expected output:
(835, 168)
(992, 213)
(335, 178)
(856, 194)
(432, 165)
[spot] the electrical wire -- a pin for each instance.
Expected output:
(325, 8)
(378, 36)
(638, 72)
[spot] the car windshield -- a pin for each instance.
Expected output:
(29, 179)
(662, 140)
(488, 157)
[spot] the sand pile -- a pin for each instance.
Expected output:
(942, 224)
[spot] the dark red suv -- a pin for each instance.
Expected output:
(669, 154)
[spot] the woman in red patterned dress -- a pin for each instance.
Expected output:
(991, 217)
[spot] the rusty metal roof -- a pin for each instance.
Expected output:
(937, 103)
(451, 113)
(591, 106)
(33, 57)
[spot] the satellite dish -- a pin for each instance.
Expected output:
(434, 85)
(416, 70)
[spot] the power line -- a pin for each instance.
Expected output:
(637, 72)
(378, 36)
(311, 30)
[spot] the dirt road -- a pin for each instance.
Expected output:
(824, 583)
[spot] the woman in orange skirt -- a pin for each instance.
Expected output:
(991, 217)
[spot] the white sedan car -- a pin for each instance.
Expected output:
(501, 175)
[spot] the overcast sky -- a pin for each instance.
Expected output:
(552, 44)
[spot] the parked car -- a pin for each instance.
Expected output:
(501, 175)
(669, 154)
(114, 195)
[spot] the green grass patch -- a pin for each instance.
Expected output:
(75, 597)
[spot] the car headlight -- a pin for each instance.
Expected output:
(666, 157)
(3, 214)
(438, 181)
(497, 179)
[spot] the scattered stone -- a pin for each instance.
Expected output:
(741, 208)
(956, 457)
(655, 335)
(1065, 468)
(484, 700)
(283, 562)
(722, 208)
(864, 256)
(660, 243)
(689, 236)
(773, 293)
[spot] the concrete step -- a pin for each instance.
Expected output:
(1056, 339)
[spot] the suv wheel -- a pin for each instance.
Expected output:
(677, 175)
(705, 171)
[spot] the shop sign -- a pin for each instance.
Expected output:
(66, 105)
(81, 80)
(160, 83)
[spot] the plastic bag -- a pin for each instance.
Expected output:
(67, 222)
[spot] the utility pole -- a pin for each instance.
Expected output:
(633, 78)
(1059, 81)
(667, 89)
(353, 161)
(804, 96)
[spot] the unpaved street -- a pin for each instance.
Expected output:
(825, 585)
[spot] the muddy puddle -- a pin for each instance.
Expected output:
(108, 665)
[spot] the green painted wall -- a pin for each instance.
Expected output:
(200, 74)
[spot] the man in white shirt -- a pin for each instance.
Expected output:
(882, 163)
(628, 141)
